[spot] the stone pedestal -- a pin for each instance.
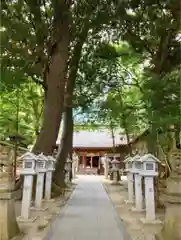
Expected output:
(8, 225)
(150, 202)
(26, 200)
(149, 199)
(75, 164)
(68, 168)
(66, 177)
(115, 171)
(130, 188)
(39, 191)
(138, 194)
(106, 169)
(115, 176)
(73, 169)
(172, 222)
(48, 185)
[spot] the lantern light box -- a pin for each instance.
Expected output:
(50, 163)
(41, 163)
(68, 164)
(137, 164)
(29, 162)
(115, 164)
(128, 163)
(150, 165)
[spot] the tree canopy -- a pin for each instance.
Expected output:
(112, 63)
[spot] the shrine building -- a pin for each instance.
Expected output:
(90, 146)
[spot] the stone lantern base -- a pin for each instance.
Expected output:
(8, 225)
(150, 222)
(172, 223)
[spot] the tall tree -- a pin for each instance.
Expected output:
(40, 36)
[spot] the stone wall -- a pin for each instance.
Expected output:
(10, 149)
(7, 158)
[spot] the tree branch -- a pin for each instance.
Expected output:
(135, 37)
(39, 82)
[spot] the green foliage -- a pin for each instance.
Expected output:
(21, 112)
(112, 84)
(162, 97)
(113, 89)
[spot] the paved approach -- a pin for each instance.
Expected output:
(88, 215)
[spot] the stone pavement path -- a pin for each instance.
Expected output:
(88, 215)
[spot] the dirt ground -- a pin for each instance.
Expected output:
(40, 227)
(131, 221)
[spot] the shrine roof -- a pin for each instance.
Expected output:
(96, 139)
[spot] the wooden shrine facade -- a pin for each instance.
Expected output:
(90, 158)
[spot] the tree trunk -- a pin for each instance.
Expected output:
(127, 134)
(66, 143)
(65, 146)
(55, 84)
(112, 135)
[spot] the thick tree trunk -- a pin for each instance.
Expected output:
(66, 143)
(65, 146)
(55, 82)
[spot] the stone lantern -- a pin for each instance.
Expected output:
(115, 170)
(29, 163)
(50, 166)
(172, 222)
(74, 165)
(41, 170)
(115, 164)
(28, 171)
(136, 169)
(137, 164)
(150, 170)
(68, 169)
(105, 161)
(128, 168)
(150, 165)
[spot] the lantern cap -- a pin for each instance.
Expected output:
(51, 158)
(148, 157)
(115, 161)
(28, 155)
(128, 159)
(42, 157)
(137, 158)
(68, 160)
